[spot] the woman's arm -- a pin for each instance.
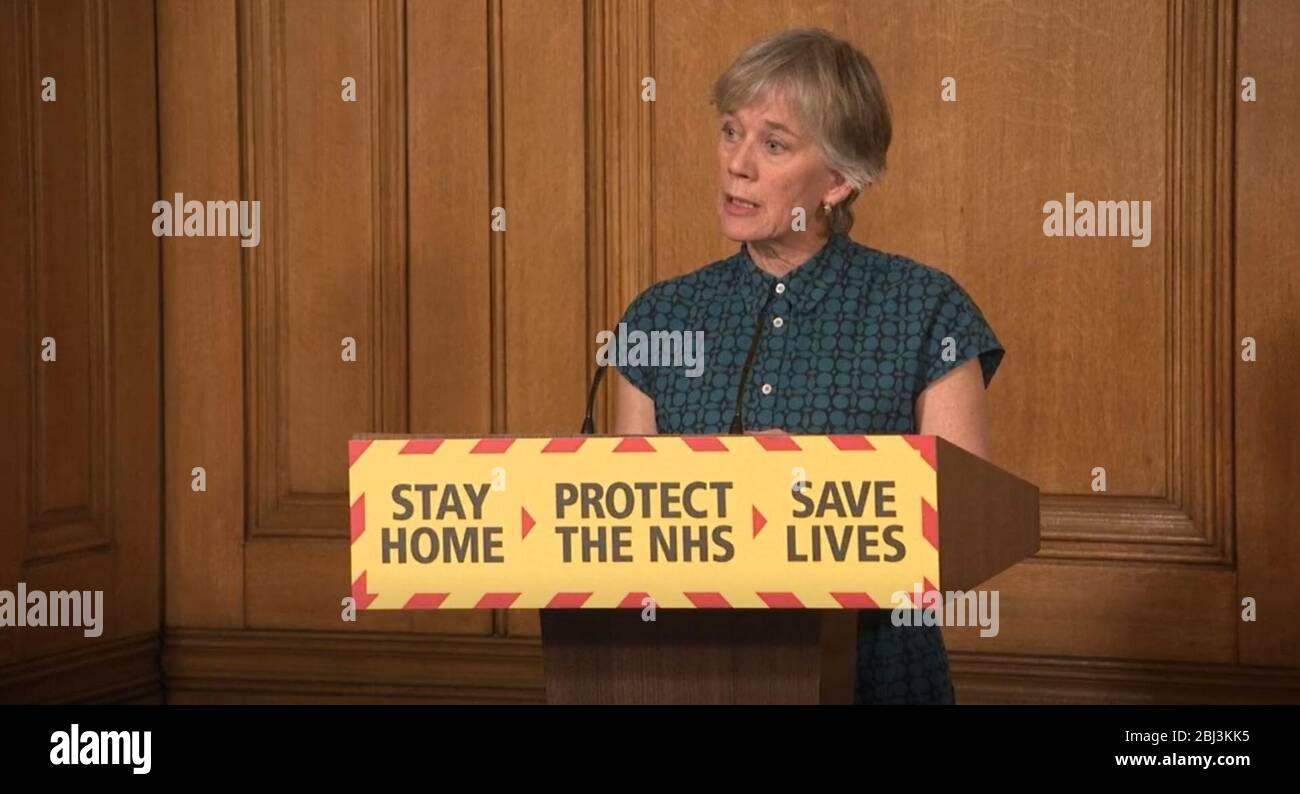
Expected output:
(956, 407)
(634, 412)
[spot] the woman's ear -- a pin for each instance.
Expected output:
(839, 191)
(837, 194)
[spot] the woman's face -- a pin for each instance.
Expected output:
(767, 158)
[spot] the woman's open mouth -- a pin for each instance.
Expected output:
(736, 206)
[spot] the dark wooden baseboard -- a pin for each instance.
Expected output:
(260, 666)
(985, 678)
(257, 666)
(115, 671)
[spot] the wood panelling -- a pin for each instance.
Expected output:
(66, 285)
(80, 500)
(1267, 296)
(989, 678)
(620, 168)
(330, 175)
(331, 263)
(545, 343)
(301, 584)
(203, 317)
(119, 671)
(1118, 610)
(210, 666)
(451, 303)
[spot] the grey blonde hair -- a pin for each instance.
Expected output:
(836, 94)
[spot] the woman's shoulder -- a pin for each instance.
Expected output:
(953, 325)
(897, 269)
(925, 296)
(703, 283)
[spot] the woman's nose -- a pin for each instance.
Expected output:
(740, 161)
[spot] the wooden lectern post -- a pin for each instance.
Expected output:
(699, 656)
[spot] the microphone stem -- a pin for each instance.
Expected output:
(737, 420)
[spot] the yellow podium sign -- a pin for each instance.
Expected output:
(763, 521)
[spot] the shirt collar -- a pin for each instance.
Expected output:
(806, 285)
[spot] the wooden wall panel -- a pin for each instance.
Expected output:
(546, 349)
(1267, 297)
(329, 181)
(450, 280)
(81, 506)
(1133, 611)
(15, 224)
(67, 461)
(203, 311)
(332, 262)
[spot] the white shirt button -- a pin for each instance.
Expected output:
(780, 289)
(767, 388)
(777, 322)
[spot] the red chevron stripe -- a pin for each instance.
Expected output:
(570, 444)
(930, 523)
(854, 600)
(355, 447)
(776, 443)
(708, 600)
(930, 595)
(759, 521)
(420, 446)
(568, 600)
(633, 601)
(491, 446)
(359, 594)
(357, 519)
(781, 600)
(425, 600)
(924, 445)
(634, 444)
(527, 520)
(496, 600)
(852, 443)
(705, 443)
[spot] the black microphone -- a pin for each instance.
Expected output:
(737, 419)
(588, 425)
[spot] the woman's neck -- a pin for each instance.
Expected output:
(780, 257)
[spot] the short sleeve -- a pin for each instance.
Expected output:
(958, 332)
(641, 315)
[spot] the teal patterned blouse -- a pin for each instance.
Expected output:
(851, 338)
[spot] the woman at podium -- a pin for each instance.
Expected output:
(807, 330)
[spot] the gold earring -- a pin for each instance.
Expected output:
(827, 207)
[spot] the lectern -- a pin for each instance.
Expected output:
(683, 569)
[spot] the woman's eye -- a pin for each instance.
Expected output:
(779, 146)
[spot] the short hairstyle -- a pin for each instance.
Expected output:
(836, 94)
